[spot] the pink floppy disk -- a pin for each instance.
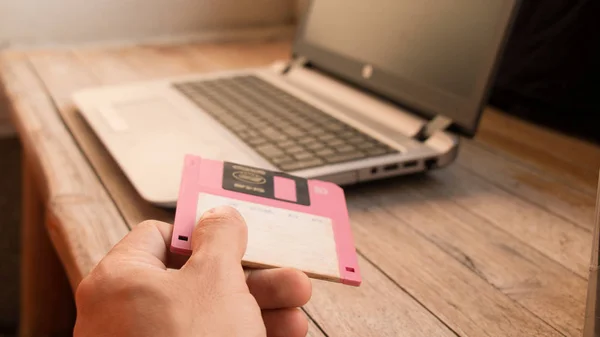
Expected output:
(292, 221)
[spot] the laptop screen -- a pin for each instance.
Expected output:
(436, 57)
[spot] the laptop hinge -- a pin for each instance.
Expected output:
(297, 62)
(439, 123)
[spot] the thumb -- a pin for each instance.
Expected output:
(220, 235)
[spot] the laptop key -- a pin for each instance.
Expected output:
(239, 127)
(295, 149)
(326, 137)
(298, 165)
(303, 155)
(312, 126)
(255, 122)
(335, 142)
(256, 141)
(253, 133)
(341, 157)
(316, 131)
(286, 144)
(315, 146)
(282, 159)
(269, 150)
(325, 152)
(345, 148)
(357, 140)
(294, 132)
(228, 119)
(280, 122)
(347, 134)
(304, 124)
(244, 134)
(306, 140)
(376, 151)
(365, 145)
(273, 134)
(334, 126)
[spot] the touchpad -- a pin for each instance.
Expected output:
(149, 114)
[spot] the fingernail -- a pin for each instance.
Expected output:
(219, 209)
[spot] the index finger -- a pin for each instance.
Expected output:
(147, 244)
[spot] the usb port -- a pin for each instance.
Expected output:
(412, 163)
(431, 163)
(391, 167)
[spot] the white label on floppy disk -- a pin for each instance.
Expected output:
(281, 237)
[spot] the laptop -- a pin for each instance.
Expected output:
(372, 89)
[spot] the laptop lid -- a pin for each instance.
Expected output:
(432, 57)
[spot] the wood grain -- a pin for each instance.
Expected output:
(44, 286)
(376, 309)
(550, 192)
(234, 56)
(557, 153)
(467, 303)
(313, 330)
(88, 222)
(555, 237)
(156, 62)
(52, 68)
(516, 269)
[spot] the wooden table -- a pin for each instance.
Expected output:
(498, 244)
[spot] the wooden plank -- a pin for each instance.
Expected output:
(313, 330)
(103, 68)
(549, 150)
(467, 303)
(53, 68)
(173, 61)
(44, 286)
(531, 279)
(245, 55)
(378, 309)
(554, 195)
(553, 236)
(88, 223)
(134, 64)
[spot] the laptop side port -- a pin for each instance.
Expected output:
(409, 164)
(391, 167)
(431, 163)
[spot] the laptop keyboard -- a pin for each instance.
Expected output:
(288, 132)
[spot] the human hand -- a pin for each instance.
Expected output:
(131, 292)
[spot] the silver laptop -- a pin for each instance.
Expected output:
(372, 89)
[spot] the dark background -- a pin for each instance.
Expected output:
(551, 66)
(10, 214)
